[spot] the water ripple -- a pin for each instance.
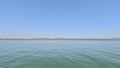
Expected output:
(60, 55)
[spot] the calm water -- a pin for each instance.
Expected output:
(59, 54)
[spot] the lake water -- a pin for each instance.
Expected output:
(59, 54)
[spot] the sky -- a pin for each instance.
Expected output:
(60, 18)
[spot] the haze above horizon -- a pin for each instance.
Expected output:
(59, 18)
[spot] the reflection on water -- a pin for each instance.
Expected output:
(59, 54)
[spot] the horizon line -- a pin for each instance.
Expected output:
(61, 38)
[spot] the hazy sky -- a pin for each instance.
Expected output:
(59, 18)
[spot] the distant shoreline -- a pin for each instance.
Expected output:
(59, 38)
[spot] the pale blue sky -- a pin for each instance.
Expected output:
(59, 18)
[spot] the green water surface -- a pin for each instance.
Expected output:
(59, 54)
